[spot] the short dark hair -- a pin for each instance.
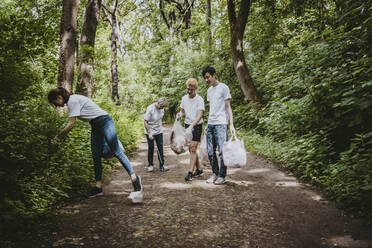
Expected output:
(59, 91)
(209, 69)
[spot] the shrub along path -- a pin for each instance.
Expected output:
(259, 206)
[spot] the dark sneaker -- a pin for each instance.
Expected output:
(137, 184)
(136, 196)
(198, 173)
(164, 168)
(189, 176)
(95, 192)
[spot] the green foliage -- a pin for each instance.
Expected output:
(129, 125)
(350, 180)
(19, 45)
(37, 176)
(316, 87)
(311, 62)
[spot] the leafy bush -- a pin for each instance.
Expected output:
(37, 177)
(317, 93)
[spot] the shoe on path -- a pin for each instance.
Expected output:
(189, 176)
(198, 173)
(164, 168)
(95, 192)
(136, 196)
(150, 168)
(219, 181)
(212, 179)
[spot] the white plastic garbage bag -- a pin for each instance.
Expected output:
(136, 197)
(188, 135)
(234, 153)
(177, 138)
(203, 153)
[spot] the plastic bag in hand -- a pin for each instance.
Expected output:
(177, 138)
(234, 153)
(203, 153)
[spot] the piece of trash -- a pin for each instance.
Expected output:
(136, 197)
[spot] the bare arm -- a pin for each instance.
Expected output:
(70, 125)
(180, 114)
(146, 123)
(230, 114)
(198, 118)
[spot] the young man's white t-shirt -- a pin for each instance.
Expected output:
(83, 108)
(192, 106)
(154, 117)
(216, 96)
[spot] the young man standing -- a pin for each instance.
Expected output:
(192, 107)
(220, 114)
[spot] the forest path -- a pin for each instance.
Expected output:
(259, 206)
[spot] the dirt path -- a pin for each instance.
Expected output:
(259, 206)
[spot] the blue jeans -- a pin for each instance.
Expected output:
(107, 153)
(103, 130)
(159, 143)
(216, 136)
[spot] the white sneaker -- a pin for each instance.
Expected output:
(220, 181)
(212, 179)
(150, 168)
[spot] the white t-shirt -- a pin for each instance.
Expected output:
(154, 116)
(192, 106)
(83, 108)
(216, 96)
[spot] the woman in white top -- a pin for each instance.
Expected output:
(154, 131)
(192, 107)
(103, 133)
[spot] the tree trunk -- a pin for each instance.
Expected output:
(209, 28)
(237, 27)
(66, 63)
(114, 73)
(86, 72)
(115, 39)
(187, 18)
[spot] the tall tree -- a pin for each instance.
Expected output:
(111, 17)
(85, 84)
(209, 29)
(237, 27)
(67, 44)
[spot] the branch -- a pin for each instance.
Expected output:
(184, 16)
(163, 14)
(114, 7)
(245, 6)
(232, 15)
(178, 5)
(107, 12)
(121, 3)
(104, 7)
(121, 42)
(129, 11)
